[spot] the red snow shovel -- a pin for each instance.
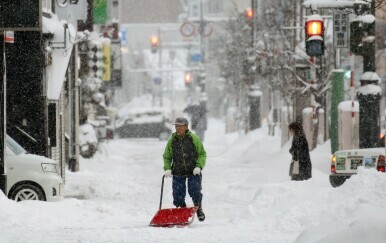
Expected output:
(170, 217)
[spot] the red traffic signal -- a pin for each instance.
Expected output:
(314, 35)
(314, 27)
(154, 41)
(188, 78)
(249, 13)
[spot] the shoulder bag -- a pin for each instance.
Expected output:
(294, 167)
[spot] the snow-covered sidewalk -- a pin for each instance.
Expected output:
(248, 197)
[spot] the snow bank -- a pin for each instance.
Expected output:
(355, 212)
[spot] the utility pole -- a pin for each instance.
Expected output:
(202, 76)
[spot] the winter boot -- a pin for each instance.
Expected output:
(183, 205)
(200, 214)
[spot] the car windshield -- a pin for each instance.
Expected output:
(14, 146)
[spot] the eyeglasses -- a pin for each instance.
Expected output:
(179, 126)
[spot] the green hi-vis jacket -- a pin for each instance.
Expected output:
(183, 154)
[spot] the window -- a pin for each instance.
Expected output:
(47, 5)
(216, 6)
(30, 11)
(14, 146)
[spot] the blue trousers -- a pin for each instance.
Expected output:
(179, 190)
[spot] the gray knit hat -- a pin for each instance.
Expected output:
(181, 121)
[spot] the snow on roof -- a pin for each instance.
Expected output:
(370, 89)
(351, 106)
(60, 57)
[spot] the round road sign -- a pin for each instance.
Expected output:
(187, 29)
(208, 30)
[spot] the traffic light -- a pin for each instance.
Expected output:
(356, 36)
(154, 41)
(188, 78)
(314, 35)
(359, 31)
(249, 16)
(369, 37)
(249, 13)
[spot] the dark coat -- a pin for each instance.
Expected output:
(197, 116)
(299, 151)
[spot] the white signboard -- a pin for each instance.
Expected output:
(71, 10)
(341, 30)
(194, 9)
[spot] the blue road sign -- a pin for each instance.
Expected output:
(157, 80)
(196, 57)
(123, 37)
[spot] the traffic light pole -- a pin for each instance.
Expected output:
(253, 100)
(3, 176)
(160, 89)
(369, 102)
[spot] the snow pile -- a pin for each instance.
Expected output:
(87, 134)
(357, 209)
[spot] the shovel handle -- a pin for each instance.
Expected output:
(162, 192)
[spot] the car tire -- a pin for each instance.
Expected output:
(25, 192)
(337, 181)
(164, 136)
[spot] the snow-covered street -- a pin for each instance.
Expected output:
(248, 197)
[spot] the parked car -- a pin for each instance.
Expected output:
(345, 163)
(144, 123)
(31, 177)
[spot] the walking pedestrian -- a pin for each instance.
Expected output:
(300, 152)
(198, 117)
(184, 159)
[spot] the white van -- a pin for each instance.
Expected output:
(31, 177)
(345, 163)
